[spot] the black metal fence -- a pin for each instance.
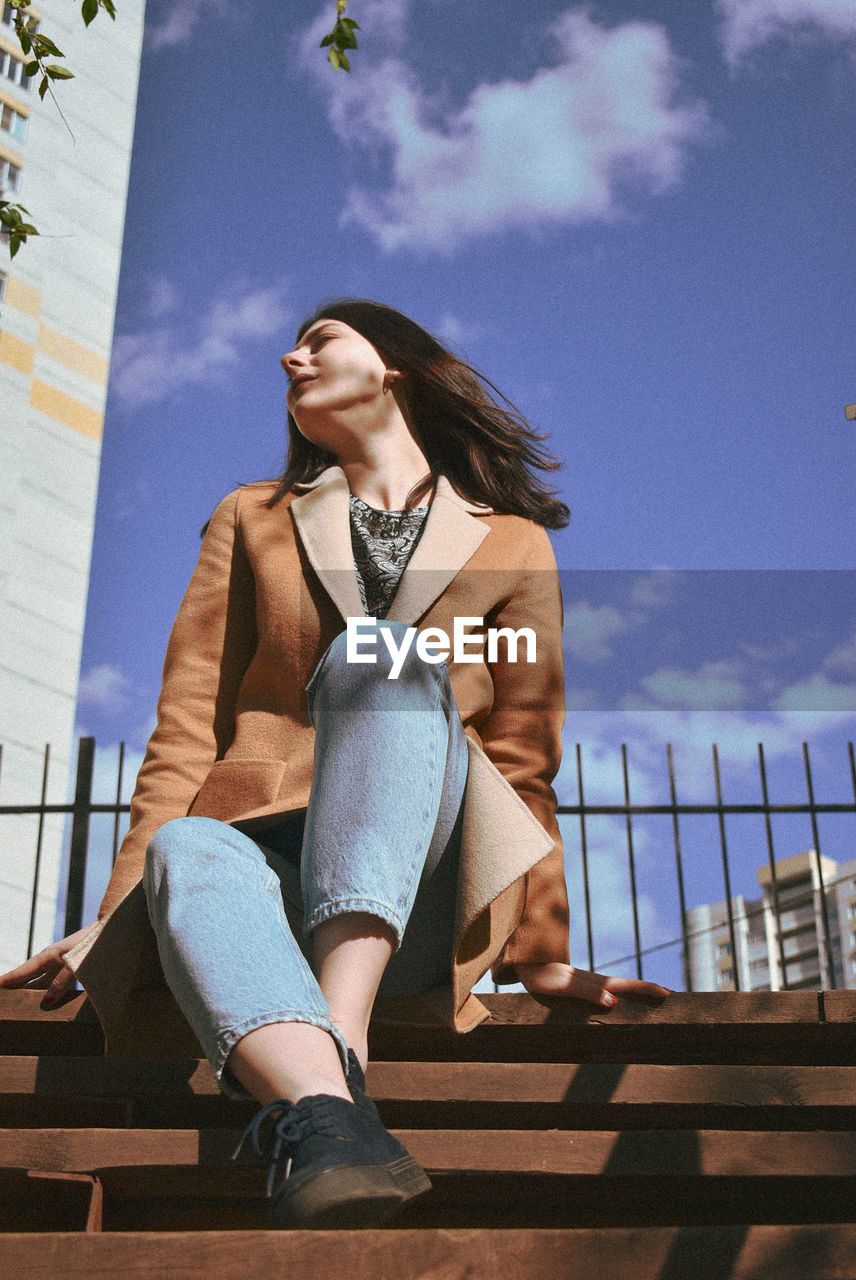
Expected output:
(83, 808)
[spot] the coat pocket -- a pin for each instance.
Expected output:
(237, 788)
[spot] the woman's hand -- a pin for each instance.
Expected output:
(555, 979)
(47, 969)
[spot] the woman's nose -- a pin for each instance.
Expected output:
(291, 361)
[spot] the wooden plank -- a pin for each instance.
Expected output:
(690, 1027)
(55, 1092)
(711, 1008)
(727, 1027)
(106, 1076)
(787, 1043)
(673, 1154)
(650, 1153)
(73, 1028)
(189, 1197)
(823, 1252)
(40, 1200)
(624, 1084)
(839, 1007)
(516, 1008)
(587, 1083)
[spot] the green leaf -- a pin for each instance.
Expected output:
(89, 10)
(328, 39)
(59, 73)
(44, 45)
(15, 244)
(333, 59)
(32, 68)
(110, 8)
(349, 22)
(344, 63)
(24, 41)
(43, 87)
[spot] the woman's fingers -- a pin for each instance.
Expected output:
(33, 972)
(58, 989)
(48, 968)
(581, 984)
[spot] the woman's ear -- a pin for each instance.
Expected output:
(391, 376)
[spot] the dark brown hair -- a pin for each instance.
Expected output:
(486, 449)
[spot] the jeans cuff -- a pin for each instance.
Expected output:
(365, 906)
(227, 1040)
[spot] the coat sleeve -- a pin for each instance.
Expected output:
(522, 736)
(212, 641)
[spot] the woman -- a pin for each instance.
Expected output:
(324, 783)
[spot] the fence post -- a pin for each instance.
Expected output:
(79, 836)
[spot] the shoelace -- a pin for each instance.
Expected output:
(275, 1141)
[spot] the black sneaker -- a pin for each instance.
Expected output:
(356, 1081)
(337, 1165)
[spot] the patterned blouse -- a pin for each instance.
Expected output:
(383, 542)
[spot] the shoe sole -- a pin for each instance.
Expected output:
(346, 1196)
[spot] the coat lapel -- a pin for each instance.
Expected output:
(323, 523)
(451, 536)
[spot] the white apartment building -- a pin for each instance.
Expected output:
(57, 306)
(816, 898)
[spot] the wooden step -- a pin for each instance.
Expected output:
(643, 1153)
(823, 1252)
(787, 1027)
(707, 1135)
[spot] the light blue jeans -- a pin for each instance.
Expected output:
(381, 834)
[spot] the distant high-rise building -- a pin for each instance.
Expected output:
(798, 945)
(57, 306)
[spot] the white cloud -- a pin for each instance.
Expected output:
(104, 686)
(456, 332)
(563, 146)
(748, 24)
(647, 732)
(153, 364)
(713, 685)
(817, 693)
(179, 21)
(609, 886)
(589, 628)
(656, 588)
(163, 297)
(843, 659)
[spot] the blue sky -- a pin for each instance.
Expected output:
(637, 218)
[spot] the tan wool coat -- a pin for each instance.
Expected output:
(272, 589)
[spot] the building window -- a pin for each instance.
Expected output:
(13, 122)
(10, 176)
(758, 966)
(8, 18)
(851, 911)
(723, 949)
(726, 975)
(12, 68)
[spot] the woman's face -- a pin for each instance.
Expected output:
(332, 368)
